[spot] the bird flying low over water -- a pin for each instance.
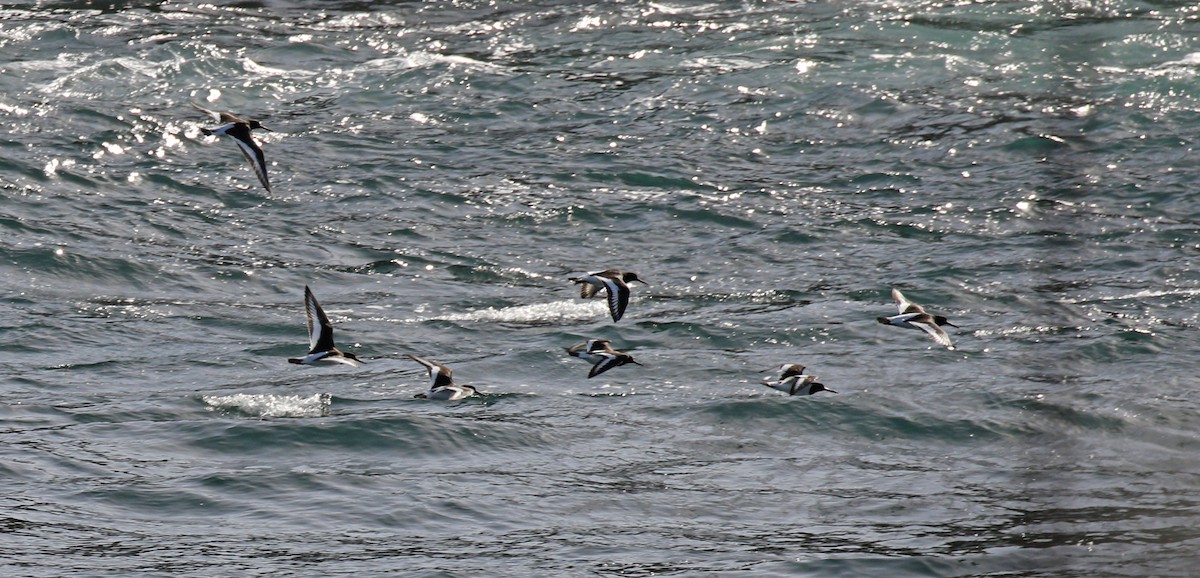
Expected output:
(601, 355)
(792, 381)
(913, 316)
(441, 383)
(614, 282)
(320, 337)
(798, 385)
(239, 129)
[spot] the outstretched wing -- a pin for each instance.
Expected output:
(587, 290)
(937, 333)
(252, 152)
(608, 362)
(320, 330)
(801, 384)
(214, 114)
(439, 375)
(618, 297)
(904, 305)
(343, 359)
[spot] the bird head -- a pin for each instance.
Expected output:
(816, 386)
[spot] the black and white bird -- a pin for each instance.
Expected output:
(913, 316)
(320, 337)
(239, 129)
(615, 284)
(601, 355)
(441, 383)
(798, 385)
(790, 379)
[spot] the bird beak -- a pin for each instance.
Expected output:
(265, 128)
(830, 390)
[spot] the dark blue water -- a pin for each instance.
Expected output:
(772, 170)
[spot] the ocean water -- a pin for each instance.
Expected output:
(771, 169)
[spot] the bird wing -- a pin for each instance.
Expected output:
(343, 359)
(777, 385)
(587, 290)
(252, 152)
(440, 393)
(320, 330)
(214, 114)
(439, 375)
(222, 117)
(618, 297)
(608, 362)
(451, 392)
(589, 349)
(790, 385)
(598, 345)
(902, 303)
(937, 333)
(578, 349)
(803, 386)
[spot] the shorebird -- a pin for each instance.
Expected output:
(239, 129)
(320, 337)
(913, 316)
(798, 385)
(441, 383)
(792, 381)
(614, 282)
(601, 355)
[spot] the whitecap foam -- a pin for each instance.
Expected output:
(536, 313)
(1022, 330)
(267, 405)
(421, 59)
(1135, 296)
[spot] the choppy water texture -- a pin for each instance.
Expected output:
(1026, 168)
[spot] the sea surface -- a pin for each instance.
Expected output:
(1027, 168)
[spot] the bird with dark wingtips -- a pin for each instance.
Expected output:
(913, 316)
(791, 380)
(441, 383)
(601, 355)
(614, 282)
(239, 130)
(320, 337)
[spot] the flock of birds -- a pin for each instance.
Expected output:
(788, 378)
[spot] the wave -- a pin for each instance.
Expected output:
(268, 405)
(555, 312)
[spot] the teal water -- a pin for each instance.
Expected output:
(772, 170)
